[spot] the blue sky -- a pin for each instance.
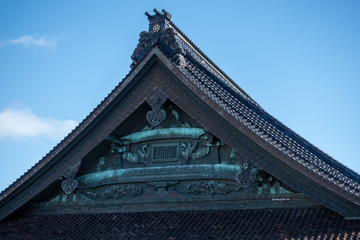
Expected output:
(300, 60)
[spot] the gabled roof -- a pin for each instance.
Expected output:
(293, 157)
(232, 99)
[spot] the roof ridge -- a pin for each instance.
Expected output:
(159, 33)
(160, 26)
(211, 62)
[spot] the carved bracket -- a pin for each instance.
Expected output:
(69, 184)
(157, 115)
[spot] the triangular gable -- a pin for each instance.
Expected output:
(252, 149)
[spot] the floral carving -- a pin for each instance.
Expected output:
(115, 192)
(211, 187)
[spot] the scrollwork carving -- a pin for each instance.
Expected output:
(157, 115)
(246, 177)
(211, 187)
(69, 184)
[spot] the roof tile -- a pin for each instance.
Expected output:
(304, 223)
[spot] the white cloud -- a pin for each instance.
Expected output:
(15, 123)
(28, 40)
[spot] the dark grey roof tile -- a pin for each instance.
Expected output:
(270, 129)
(300, 223)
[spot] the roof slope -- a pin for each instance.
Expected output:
(306, 223)
(202, 73)
(198, 68)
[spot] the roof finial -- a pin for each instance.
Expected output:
(157, 11)
(159, 21)
(164, 13)
(160, 33)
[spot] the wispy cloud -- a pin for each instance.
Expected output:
(28, 40)
(18, 123)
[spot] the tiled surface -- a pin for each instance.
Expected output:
(306, 223)
(246, 111)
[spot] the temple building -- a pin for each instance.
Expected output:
(179, 151)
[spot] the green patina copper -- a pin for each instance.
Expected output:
(274, 188)
(164, 133)
(224, 171)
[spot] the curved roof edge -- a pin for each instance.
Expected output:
(238, 103)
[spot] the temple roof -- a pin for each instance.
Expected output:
(303, 223)
(165, 39)
(199, 69)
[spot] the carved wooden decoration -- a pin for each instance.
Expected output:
(157, 115)
(170, 162)
(210, 187)
(114, 192)
(245, 178)
(69, 184)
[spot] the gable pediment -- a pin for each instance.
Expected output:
(178, 134)
(170, 163)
